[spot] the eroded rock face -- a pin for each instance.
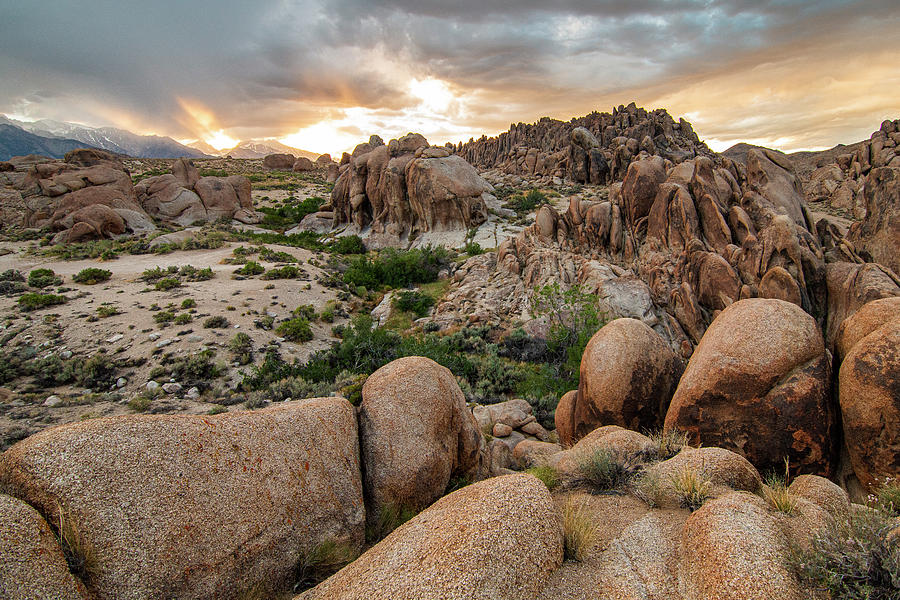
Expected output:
(184, 198)
(758, 383)
(89, 195)
(32, 564)
(198, 506)
(498, 538)
(877, 237)
(281, 162)
(408, 187)
(852, 286)
(415, 434)
(628, 376)
(869, 381)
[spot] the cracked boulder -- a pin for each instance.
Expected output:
(758, 384)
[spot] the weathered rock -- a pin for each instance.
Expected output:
(758, 383)
(32, 564)
(869, 381)
(852, 286)
(822, 492)
(628, 376)
(864, 321)
(640, 187)
(304, 164)
(732, 549)
(564, 418)
(198, 506)
(771, 174)
(725, 470)
(415, 434)
(495, 539)
(529, 453)
(626, 444)
(281, 162)
(877, 237)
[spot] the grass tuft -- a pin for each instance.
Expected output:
(581, 533)
(691, 487)
(547, 474)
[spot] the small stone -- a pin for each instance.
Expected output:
(164, 343)
(195, 338)
(114, 339)
(121, 382)
(66, 354)
(52, 401)
(171, 388)
(193, 393)
(152, 386)
(154, 336)
(502, 430)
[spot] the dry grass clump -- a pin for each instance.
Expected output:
(78, 550)
(390, 517)
(691, 487)
(888, 497)
(775, 492)
(668, 443)
(581, 533)
(603, 470)
(322, 562)
(649, 488)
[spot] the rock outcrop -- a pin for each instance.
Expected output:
(597, 148)
(184, 198)
(280, 162)
(416, 433)
(869, 380)
(628, 376)
(759, 384)
(877, 237)
(88, 195)
(498, 539)
(198, 506)
(32, 564)
(407, 188)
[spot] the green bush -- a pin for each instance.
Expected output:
(188, 303)
(852, 559)
(889, 497)
(157, 273)
(97, 372)
(192, 273)
(290, 213)
(413, 301)
(196, 370)
(295, 330)
(397, 268)
(527, 203)
(241, 347)
(167, 283)
(216, 322)
(183, 319)
(164, 316)
(349, 244)
(34, 301)
(11, 275)
(250, 269)
(42, 278)
(276, 257)
(107, 311)
(602, 470)
(92, 276)
(285, 272)
(547, 474)
(305, 311)
(11, 288)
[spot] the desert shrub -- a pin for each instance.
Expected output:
(329, 312)
(526, 203)
(250, 269)
(188, 303)
(107, 311)
(92, 276)
(11, 275)
(602, 470)
(140, 403)
(852, 559)
(167, 283)
(547, 474)
(42, 278)
(183, 319)
(34, 301)
(285, 272)
(192, 273)
(276, 257)
(216, 322)
(295, 330)
(518, 345)
(305, 311)
(307, 239)
(397, 268)
(473, 249)
(581, 534)
(157, 273)
(413, 301)
(196, 369)
(390, 517)
(290, 213)
(97, 372)
(241, 347)
(218, 409)
(691, 487)
(888, 497)
(349, 244)
(11, 288)
(163, 317)
(77, 548)
(205, 240)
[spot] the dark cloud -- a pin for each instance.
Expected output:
(269, 68)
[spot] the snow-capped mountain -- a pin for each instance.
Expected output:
(254, 149)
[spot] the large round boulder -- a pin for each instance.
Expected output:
(32, 564)
(497, 539)
(864, 321)
(416, 433)
(869, 382)
(758, 384)
(628, 375)
(281, 162)
(176, 506)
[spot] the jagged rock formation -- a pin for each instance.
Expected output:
(877, 237)
(596, 148)
(407, 188)
(184, 198)
(87, 195)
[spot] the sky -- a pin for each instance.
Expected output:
(322, 75)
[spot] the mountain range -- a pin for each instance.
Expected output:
(253, 149)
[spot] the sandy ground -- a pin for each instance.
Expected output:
(134, 334)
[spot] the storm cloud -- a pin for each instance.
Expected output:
(784, 73)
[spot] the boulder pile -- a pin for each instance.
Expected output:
(595, 149)
(407, 188)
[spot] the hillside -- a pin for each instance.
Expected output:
(15, 141)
